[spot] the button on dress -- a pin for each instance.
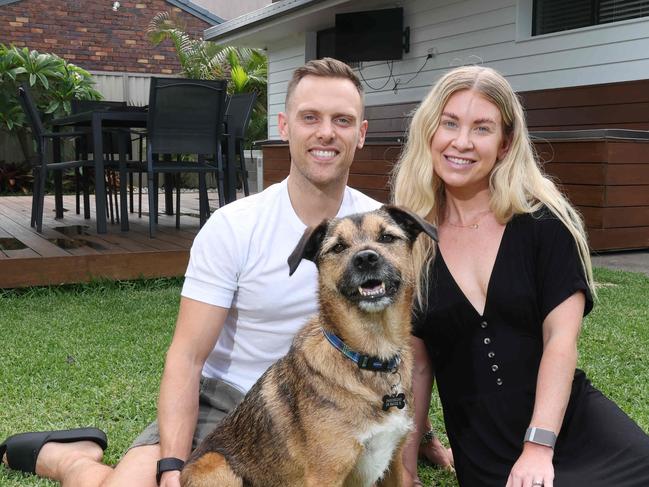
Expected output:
(486, 366)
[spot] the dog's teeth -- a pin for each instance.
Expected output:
(375, 291)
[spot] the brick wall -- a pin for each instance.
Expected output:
(90, 34)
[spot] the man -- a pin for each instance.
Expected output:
(239, 309)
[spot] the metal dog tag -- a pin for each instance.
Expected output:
(394, 400)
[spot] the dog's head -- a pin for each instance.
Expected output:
(364, 258)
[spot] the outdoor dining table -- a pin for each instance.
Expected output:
(98, 120)
(128, 117)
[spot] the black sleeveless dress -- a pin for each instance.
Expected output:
(486, 367)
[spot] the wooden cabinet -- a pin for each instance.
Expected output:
(604, 172)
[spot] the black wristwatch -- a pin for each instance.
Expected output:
(166, 465)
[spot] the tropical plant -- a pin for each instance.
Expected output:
(245, 69)
(53, 82)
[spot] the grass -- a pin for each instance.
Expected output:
(92, 355)
(88, 355)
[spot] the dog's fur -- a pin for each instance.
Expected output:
(315, 418)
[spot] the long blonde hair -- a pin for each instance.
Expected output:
(517, 182)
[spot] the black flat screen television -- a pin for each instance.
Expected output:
(374, 35)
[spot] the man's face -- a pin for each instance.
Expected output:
(324, 127)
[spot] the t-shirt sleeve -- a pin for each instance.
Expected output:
(215, 262)
(560, 272)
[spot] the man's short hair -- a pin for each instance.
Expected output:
(325, 68)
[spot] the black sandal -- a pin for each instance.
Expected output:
(22, 449)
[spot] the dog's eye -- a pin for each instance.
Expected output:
(387, 238)
(338, 248)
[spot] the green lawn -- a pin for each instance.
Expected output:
(92, 355)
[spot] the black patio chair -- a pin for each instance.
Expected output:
(238, 116)
(185, 118)
(42, 163)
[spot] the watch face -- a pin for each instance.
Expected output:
(541, 436)
(427, 437)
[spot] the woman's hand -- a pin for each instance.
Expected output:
(436, 453)
(533, 468)
(408, 480)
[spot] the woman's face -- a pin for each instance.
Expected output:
(468, 142)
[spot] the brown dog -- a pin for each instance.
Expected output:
(335, 411)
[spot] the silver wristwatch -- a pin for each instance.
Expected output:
(541, 436)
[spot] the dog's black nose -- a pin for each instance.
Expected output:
(366, 260)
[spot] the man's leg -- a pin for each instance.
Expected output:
(79, 465)
(137, 468)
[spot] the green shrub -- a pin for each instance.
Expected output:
(53, 82)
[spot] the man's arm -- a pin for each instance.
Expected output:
(197, 330)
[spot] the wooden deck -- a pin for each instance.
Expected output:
(69, 250)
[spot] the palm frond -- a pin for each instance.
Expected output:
(245, 69)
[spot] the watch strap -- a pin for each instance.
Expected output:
(540, 436)
(166, 465)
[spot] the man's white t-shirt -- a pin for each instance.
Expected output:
(239, 261)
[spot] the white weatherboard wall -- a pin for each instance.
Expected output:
(495, 33)
(283, 58)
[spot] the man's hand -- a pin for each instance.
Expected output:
(170, 479)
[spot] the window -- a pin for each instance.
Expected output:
(558, 15)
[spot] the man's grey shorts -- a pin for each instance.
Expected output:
(216, 400)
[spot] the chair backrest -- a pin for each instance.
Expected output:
(185, 115)
(29, 107)
(239, 112)
(80, 106)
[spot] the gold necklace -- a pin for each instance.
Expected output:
(473, 226)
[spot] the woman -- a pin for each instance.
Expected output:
(501, 301)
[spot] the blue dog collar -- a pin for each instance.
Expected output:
(366, 362)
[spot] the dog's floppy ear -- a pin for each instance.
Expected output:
(410, 222)
(308, 246)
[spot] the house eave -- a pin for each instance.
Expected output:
(186, 5)
(197, 11)
(272, 22)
